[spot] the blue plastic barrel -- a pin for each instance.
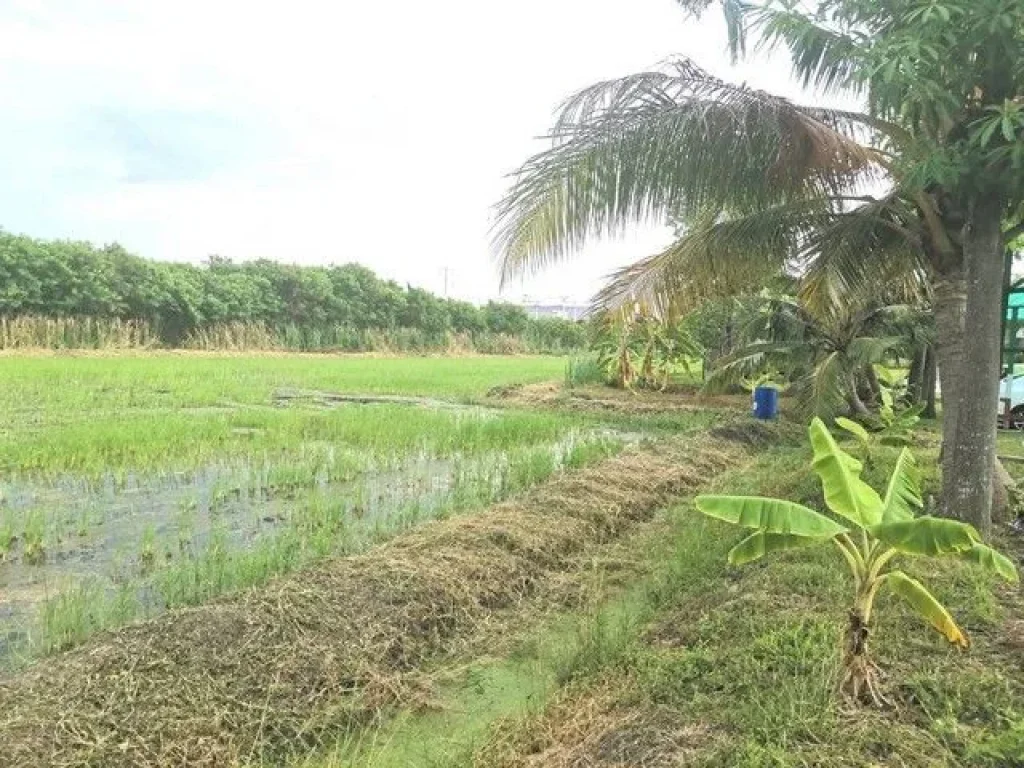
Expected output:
(766, 403)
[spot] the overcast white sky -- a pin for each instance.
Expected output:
(311, 131)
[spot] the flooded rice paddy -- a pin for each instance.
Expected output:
(80, 553)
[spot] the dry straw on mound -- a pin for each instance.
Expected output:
(294, 664)
(594, 729)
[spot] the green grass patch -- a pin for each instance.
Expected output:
(744, 662)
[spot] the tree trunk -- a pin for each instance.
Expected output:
(949, 305)
(857, 407)
(968, 469)
(1003, 488)
(873, 386)
(860, 674)
(915, 376)
(929, 378)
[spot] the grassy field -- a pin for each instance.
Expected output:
(510, 580)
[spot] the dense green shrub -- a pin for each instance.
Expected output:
(73, 294)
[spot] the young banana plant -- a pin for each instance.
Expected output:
(890, 427)
(873, 532)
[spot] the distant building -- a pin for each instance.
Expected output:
(556, 309)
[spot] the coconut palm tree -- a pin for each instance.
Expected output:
(757, 184)
(828, 355)
(764, 184)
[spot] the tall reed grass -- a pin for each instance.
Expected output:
(256, 337)
(38, 332)
(43, 332)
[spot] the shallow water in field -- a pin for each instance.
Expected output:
(122, 527)
(123, 531)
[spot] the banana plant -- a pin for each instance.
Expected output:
(869, 531)
(612, 343)
(665, 347)
(891, 426)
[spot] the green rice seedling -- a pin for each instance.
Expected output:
(148, 550)
(408, 516)
(184, 524)
(83, 609)
(345, 465)
(33, 538)
(7, 535)
(324, 524)
(288, 479)
(399, 464)
(98, 416)
(581, 371)
(583, 452)
(224, 491)
(85, 520)
(532, 467)
(60, 526)
(319, 518)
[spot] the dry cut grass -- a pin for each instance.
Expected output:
(601, 399)
(596, 730)
(285, 668)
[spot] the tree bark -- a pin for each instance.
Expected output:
(1002, 486)
(968, 467)
(949, 306)
(873, 385)
(857, 407)
(929, 378)
(915, 376)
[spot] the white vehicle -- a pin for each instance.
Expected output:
(1012, 388)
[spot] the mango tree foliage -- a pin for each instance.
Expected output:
(871, 532)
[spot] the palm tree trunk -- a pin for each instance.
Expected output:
(873, 385)
(929, 378)
(1003, 485)
(949, 307)
(857, 407)
(968, 486)
(915, 376)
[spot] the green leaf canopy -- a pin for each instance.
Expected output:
(903, 494)
(993, 561)
(761, 543)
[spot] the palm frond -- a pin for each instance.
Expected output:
(747, 362)
(822, 392)
(669, 143)
(868, 350)
(826, 58)
(871, 250)
(715, 257)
